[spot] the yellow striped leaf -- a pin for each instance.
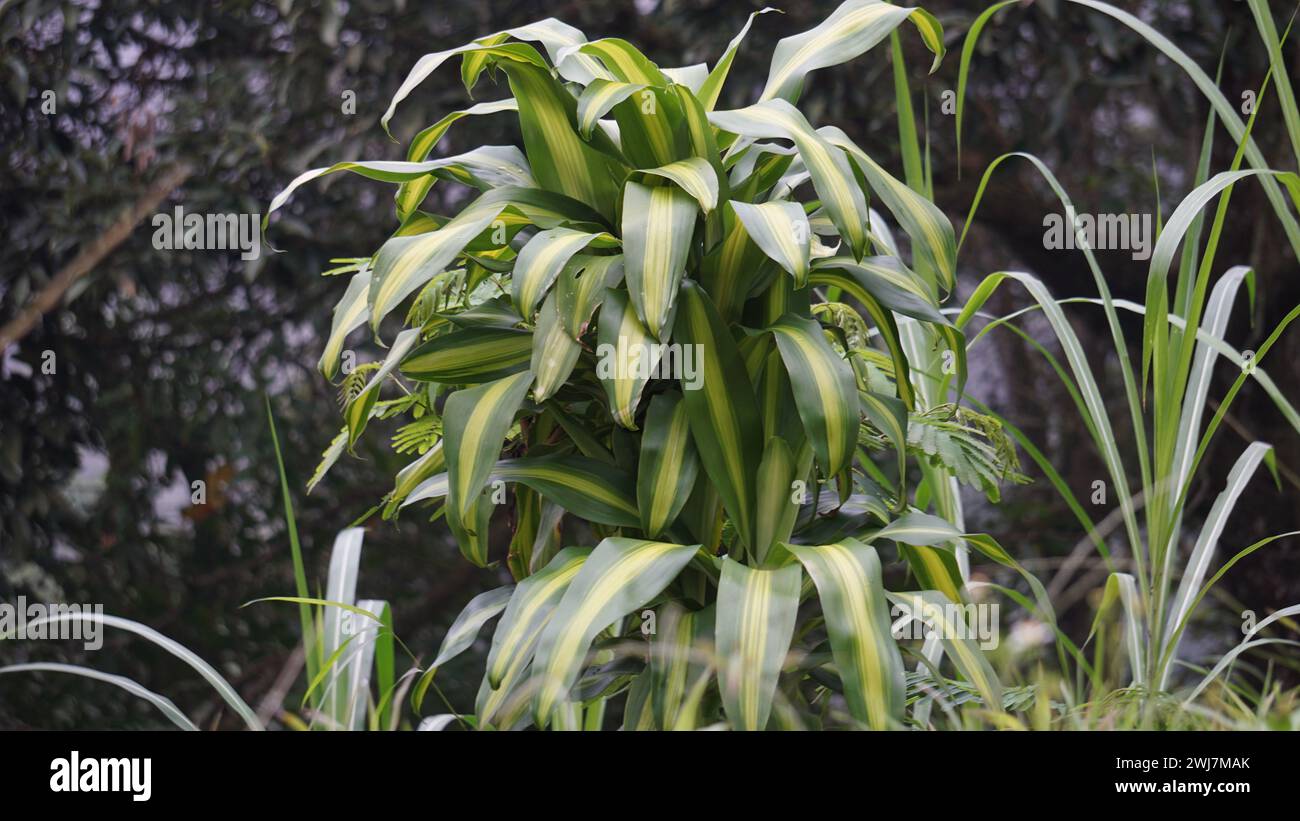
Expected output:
(598, 98)
(884, 321)
(430, 63)
(956, 631)
(475, 423)
(778, 498)
(652, 129)
(733, 266)
(542, 259)
(782, 230)
(405, 263)
(619, 576)
(625, 356)
(588, 488)
(471, 529)
(412, 192)
(932, 234)
(723, 412)
(889, 415)
(756, 619)
(847, 575)
(825, 390)
(554, 352)
(935, 569)
(582, 286)
(481, 609)
(694, 176)
(349, 314)
(657, 227)
(561, 160)
(357, 411)
(623, 60)
(677, 660)
(712, 86)
(668, 465)
(700, 136)
(851, 30)
(528, 611)
(432, 462)
(470, 356)
(832, 176)
(488, 166)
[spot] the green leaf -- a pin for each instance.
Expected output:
(475, 423)
(851, 30)
(781, 229)
(619, 576)
(824, 390)
(668, 465)
(756, 618)
(626, 355)
(554, 352)
(542, 259)
(848, 579)
(723, 411)
(470, 357)
(657, 227)
(481, 609)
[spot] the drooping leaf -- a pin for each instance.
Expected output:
(756, 619)
(481, 609)
(619, 576)
(475, 423)
(824, 390)
(554, 351)
(852, 29)
(542, 259)
(668, 465)
(626, 354)
(848, 579)
(582, 287)
(657, 227)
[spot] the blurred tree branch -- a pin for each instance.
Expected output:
(90, 256)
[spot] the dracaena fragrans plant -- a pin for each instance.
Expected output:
(677, 352)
